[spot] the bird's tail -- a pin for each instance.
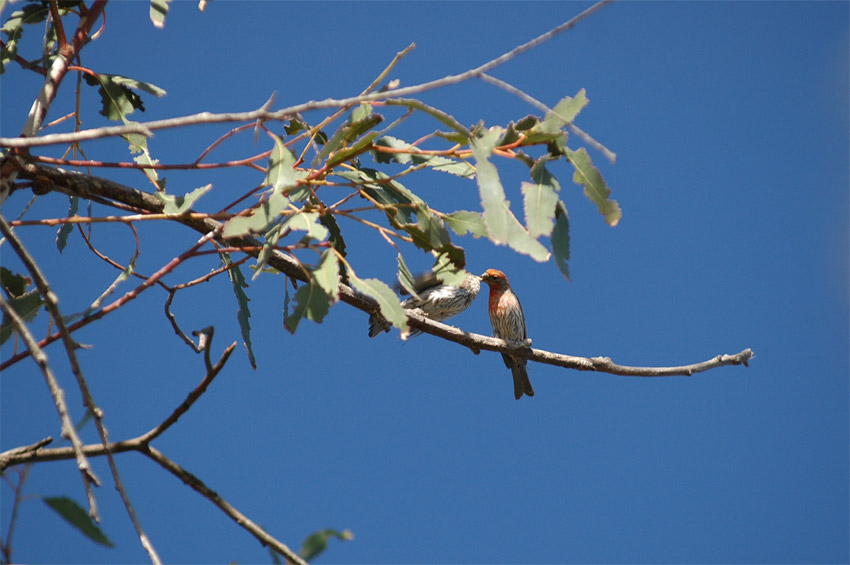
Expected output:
(521, 383)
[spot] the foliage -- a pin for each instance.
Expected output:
(317, 175)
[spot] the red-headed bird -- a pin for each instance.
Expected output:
(437, 301)
(508, 323)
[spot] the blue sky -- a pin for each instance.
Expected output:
(730, 122)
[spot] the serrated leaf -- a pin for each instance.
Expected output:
(405, 277)
(13, 28)
(347, 132)
(411, 156)
(243, 314)
(540, 199)
(490, 187)
(361, 112)
(159, 8)
(398, 203)
(317, 542)
(74, 514)
(564, 112)
(259, 219)
(441, 116)
(173, 205)
(387, 301)
(269, 243)
(464, 221)
(282, 175)
(561, 239)
(26, 306)
(520, 240)
(326, 274)
(117, 95)
(336, 240)
(447, 271)
(66, 229)
(295, 125)
(594, 186)
(311, 302)
(13, 283)
(309, 222)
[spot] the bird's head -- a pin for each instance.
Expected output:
(495, 278)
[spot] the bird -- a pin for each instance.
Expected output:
(436, 300)
(508, 321)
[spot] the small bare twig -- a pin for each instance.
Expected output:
(6, 544)
(141, 444)
(56, 392)
(51, 303)
(147, 128)
(610, 155)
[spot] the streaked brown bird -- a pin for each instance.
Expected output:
(436, 300)
(508, 323)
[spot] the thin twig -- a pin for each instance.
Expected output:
(610, 155)
(70, 346)
(40, 357)
(142, 445)
(147, 128)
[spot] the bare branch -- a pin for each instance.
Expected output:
(263, 114)
(56, 392)
(141, 444)
(51, 303)
(197, 485)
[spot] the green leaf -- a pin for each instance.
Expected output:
(259, 219)
(242, 314)
(594, 186)
(336, 240)
(326, 274)
(309, 222)
(311, 302)
(435, 162)
(295, 125)
(387, 301)
(317, 542)
(564, 112)
(282, 175)
(26, 306)
(398, 203)
(269, 243)
(13, 283)
(117, 94)
(561, 239)
(441, 116)
(464, 221)
(502, 226)
(490, 187)
(66, 229)
(346, 133)
(74, 514)
(173, 205)
(159, 8)
(539, 200)
(447, 271)
(405, 277)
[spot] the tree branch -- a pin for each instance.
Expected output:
(36, 453)
(78, 184)
(262, 114)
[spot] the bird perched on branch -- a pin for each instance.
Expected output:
(436, 300)
(508, 323)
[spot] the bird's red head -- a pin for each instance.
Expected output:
(495, 278)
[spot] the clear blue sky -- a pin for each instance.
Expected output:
(730, 121)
